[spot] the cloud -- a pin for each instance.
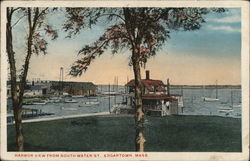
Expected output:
(224, 28)
(230, 19)
(233, 15)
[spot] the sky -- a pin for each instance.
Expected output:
(188, 58)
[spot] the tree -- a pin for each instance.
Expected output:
(35, 44)
(141, 30)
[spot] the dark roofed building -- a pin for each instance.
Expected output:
(82, 84)
(34, 90)
(156, 99)
(74, 88)
(149, 86)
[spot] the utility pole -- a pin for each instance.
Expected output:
(117, 88)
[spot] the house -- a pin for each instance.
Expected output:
(156, 100)
(46, 88)
(32, 89)
(35, 91)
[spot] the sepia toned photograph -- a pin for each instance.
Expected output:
(127, 80)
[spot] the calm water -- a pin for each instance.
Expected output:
(193, 103)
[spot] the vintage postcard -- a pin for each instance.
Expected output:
(125, 80)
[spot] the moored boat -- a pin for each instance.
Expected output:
(92, 103)
(210, 99)
(70, 101)
(42, 102)
(78, 96)
(225, 110)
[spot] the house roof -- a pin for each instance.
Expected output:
(150, 84)
(82, 84)
(157, 97)
(35, 87)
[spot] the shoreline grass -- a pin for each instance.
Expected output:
(177, 133)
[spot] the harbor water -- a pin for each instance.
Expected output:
(194, 103)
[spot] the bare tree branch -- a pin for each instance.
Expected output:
(18, 20)
(14, 9)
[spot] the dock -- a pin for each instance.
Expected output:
(63, 117)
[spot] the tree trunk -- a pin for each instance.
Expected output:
(18, 126)
(17, 106)
(139, 114)
(17, 90)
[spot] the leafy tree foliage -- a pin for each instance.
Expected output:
(149, 27)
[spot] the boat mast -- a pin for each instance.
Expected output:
(232, 97)
(216, 90)
(203, 92)
(61, 79)
(114, 84)
(109, 99)
(117, 86)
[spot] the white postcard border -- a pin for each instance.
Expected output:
(151, 155)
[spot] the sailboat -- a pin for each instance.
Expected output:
(230, 109)
(70, 101)
(212, 99)
(233, 104)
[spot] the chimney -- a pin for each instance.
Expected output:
(168, 87)
(147, 75)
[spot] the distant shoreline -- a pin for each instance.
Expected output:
(205, 86)
(191, 86)
(224, 86)
(195, 86)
